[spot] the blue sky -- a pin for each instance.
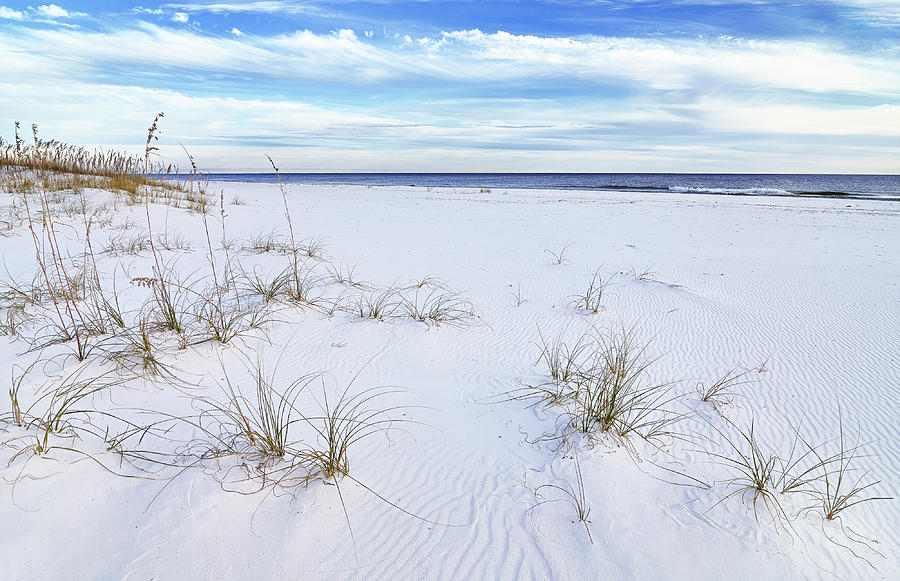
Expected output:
(557, 85)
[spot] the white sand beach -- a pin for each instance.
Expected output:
(472, 460)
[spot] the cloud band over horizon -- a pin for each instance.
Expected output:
(694, 86)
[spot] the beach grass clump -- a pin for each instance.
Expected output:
(263, 242)
(344, 275)
(62, 400)
(603, 385)
(12, 320)
(280, 440)
(755, 467)
(313, 248)
(18, 293)
(79, 337)
(430, 302)
(258, 426)
(642, 275)
(170, 302)
(172, 242)
(224, 320)
(378, 304)
(138, 351)
(342, 423)
(127, 243)
(305, 284)
(16, 416)
(840, 484)
(591, 300)
(517, 297)
(614, 393)
(268, 288)
(832, 480)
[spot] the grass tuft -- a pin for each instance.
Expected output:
(840, 485)
(722, 391)
(614, 394)
(559, 258)
(591, 300)
(437, 306)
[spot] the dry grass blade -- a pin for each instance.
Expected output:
(563, 360)
(62, 398)
(345, 276)
(575, 495)
(722, 390)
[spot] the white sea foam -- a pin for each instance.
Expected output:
(733, 191)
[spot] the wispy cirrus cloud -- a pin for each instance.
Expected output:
(470, 56)
(879, 12)
(260, 6)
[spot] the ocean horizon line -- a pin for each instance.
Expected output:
(867, 186)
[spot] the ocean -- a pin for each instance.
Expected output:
(886, 187)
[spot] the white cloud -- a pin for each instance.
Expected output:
(52, 11)
(180, 17)
(672, 64)
(876, 12)
(236, 32)
(10, 14)
(484, 135)
(781, 118)
(471, 56)
(142, 10)
(879, 12)
(43, 13)
(264, 6)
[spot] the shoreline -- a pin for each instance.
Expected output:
(560, 182)
(581, 195)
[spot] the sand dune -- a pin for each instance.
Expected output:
(799, 293)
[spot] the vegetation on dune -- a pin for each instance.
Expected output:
(108, 307)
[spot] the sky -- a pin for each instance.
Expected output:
(757, 86)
